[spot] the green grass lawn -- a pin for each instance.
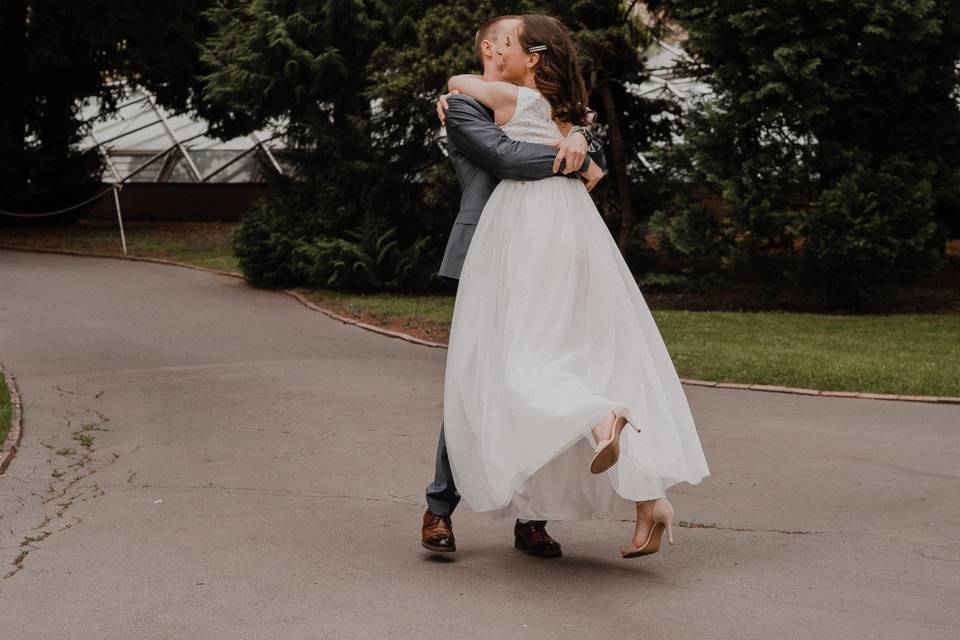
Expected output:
(915, 353)
(6, 410)
(206, 244)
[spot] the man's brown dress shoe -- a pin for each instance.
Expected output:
(437, 533)
(533, 538)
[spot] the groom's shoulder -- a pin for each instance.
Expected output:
(468, 105)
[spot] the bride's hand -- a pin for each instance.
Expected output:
(442, 104)
(573, 149)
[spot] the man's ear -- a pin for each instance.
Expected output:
(488, 48)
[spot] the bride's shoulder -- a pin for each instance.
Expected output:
(526, 93)
(527, 96)
(531, 100)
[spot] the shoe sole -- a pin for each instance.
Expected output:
(652, 545)
(540, 554)
(610, 454)
(437, 549)
(607, 458)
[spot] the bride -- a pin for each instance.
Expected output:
(553, 350)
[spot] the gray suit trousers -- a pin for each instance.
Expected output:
(442, 495)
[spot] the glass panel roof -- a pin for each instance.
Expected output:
(140, 131)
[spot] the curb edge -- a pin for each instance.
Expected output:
(9, 448)
(902, 397)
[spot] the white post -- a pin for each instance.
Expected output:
(116, 199)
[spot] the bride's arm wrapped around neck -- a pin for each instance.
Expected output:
(500, 97)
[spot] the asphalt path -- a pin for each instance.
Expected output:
(204, 459)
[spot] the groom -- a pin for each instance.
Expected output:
(482, 155)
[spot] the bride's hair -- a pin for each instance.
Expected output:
(557, 74)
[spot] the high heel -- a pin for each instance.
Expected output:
(608, 451)
(662, 519)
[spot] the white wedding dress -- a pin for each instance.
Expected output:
(550, 333)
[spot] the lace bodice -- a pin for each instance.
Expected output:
(531, 122)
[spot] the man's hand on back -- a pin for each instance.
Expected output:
(573, 149)
(442, 104)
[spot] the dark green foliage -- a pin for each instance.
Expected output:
(690, 231)
(274, 250)
(369, 259)
(264, 246)
(869, 230)
(355, 216)
(834, 141)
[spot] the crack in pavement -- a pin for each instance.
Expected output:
(66, 488)
(700, 525)
(693, 524)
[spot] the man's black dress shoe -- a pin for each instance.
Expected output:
(532, 537)
(437, 533)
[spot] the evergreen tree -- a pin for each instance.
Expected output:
(346, 220)
(833, 139)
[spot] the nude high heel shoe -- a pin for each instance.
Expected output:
(608, 451)
(661, 519)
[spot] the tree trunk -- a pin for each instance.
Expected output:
(13, 25)
(618, 147)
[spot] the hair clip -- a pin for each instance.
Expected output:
(537, 47)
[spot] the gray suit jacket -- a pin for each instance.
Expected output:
(482, 155)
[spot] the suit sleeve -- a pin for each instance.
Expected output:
(478, 137)
(595, 150)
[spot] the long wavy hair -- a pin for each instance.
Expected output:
(557, 74)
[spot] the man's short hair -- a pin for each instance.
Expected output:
(485, 31)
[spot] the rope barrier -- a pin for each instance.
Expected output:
(115, 188)
(47, 214)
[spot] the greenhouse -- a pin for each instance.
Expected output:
(170, 168)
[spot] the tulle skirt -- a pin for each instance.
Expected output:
(550, 333)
